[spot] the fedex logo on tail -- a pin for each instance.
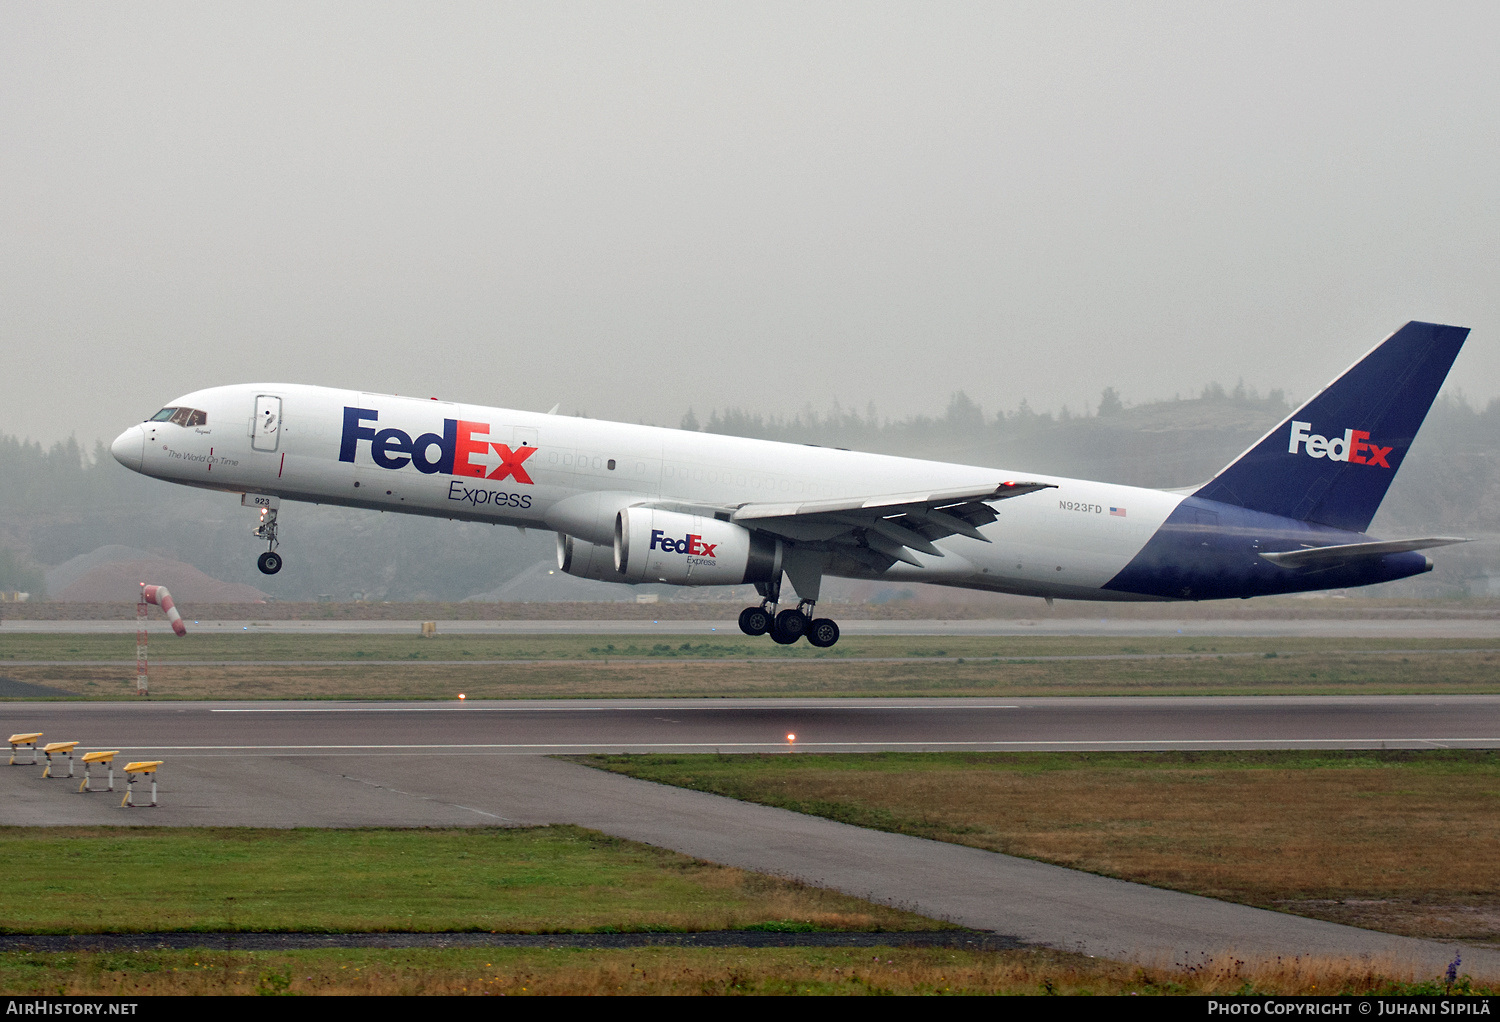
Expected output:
(451, 452)
(689, 544)
(1353, 446)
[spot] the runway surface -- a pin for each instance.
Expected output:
(543, 727)
(442, 765)
(1455, 628)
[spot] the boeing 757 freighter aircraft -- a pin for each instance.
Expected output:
(643, 504)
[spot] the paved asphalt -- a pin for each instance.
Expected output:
(197, 730)
(300, 764)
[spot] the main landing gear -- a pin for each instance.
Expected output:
(269, 562)
(790, 625)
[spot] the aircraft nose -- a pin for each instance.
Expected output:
(129, 448)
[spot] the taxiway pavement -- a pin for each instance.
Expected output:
(441, 765)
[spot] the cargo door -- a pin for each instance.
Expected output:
(265, 427)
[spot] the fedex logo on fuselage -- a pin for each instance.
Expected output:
(689, 544)
(450, 452)
(1353, 446)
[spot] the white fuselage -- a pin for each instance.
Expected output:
(1064, 542)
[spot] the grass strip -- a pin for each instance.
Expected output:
(521, 880)
(264, 646)
(690, 971)
(1399, 841)
(996, 667)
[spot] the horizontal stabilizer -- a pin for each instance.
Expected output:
(1324, 556)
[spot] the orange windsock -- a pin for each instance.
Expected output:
(163, 599)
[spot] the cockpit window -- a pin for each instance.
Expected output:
(181, 416)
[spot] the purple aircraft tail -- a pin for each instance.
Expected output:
(1333, 459)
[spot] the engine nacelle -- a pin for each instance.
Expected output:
(586, 560)
(688, 550)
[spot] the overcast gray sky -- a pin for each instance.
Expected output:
(634, 208)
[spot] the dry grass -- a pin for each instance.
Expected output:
(692, 971)
(398, 668)
(1399, 841)
(261, 646)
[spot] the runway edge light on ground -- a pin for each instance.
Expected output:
(139, 769)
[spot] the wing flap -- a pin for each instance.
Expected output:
(875, 529)
(893, 526)
(888, 504)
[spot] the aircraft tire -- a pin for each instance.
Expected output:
(269, 562)
(789, 627)
(755, 621)
(823, 632)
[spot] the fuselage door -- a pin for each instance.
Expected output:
(265, 428)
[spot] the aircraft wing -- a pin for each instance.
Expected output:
(1327, 556)
(883, 528)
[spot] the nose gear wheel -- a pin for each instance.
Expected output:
(269, 562)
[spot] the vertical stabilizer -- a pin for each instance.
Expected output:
(1333, 459)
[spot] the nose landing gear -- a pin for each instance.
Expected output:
(269, 562)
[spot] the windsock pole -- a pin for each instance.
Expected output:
(141, 684)
(163, 599)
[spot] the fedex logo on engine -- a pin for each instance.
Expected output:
(1353, 446)
(689, 544)
(451, 452)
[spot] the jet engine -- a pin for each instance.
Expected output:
(586, 560)
(689, 550)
